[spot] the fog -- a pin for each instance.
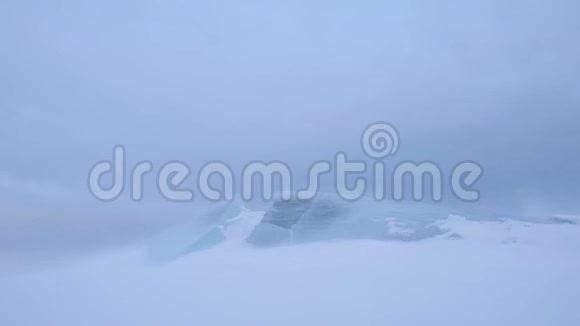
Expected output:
(492, 81)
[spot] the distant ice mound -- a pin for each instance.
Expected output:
(328, 218)
(566, 219)
(228, 222)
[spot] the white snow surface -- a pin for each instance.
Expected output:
(477, 273)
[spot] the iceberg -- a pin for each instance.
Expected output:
(329, 218)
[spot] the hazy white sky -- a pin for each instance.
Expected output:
(494, 81)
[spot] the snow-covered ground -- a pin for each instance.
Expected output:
(477, 273)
